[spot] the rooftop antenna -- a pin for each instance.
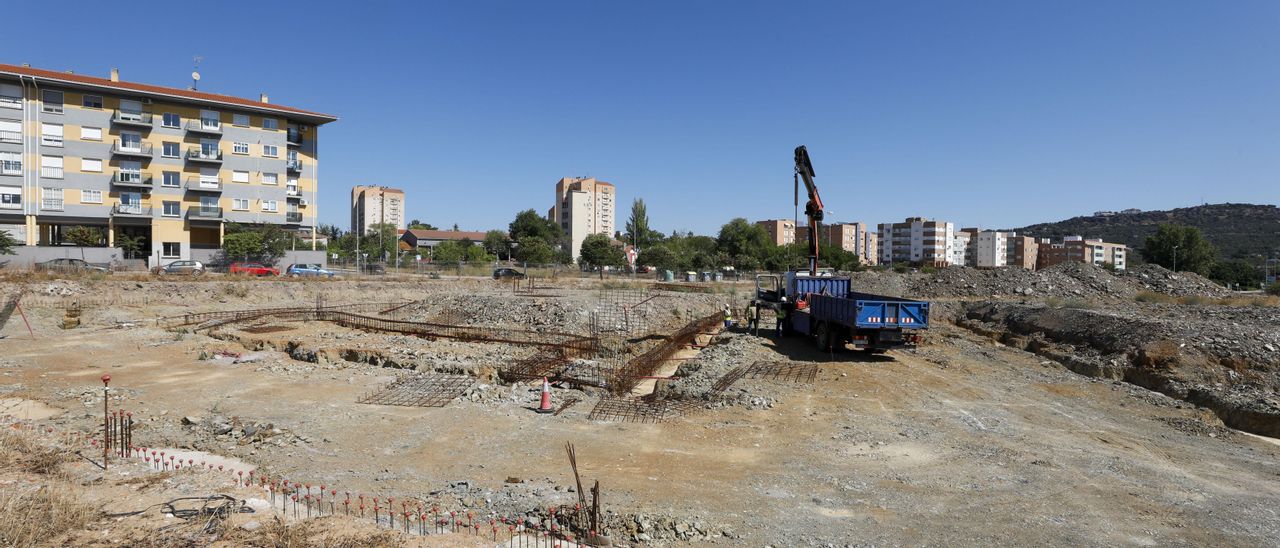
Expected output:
(195, 74)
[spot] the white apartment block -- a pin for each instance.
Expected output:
(584, 206)
(991, 249)
(374, 205)
(917, 241)
(962, 248)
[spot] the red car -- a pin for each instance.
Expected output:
(254, 269)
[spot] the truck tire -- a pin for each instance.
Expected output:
(822, 335)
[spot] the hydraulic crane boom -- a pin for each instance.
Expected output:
(812, 208)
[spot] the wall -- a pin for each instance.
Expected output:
(25, 256)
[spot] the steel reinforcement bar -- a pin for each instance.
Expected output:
(628, 376)
(194, 318)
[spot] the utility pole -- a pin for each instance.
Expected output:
(1175, 258)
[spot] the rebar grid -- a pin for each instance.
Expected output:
(638, 410)
(428, 390)
(723, 383)
(800, 373)
(625, 379)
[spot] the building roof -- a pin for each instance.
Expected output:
(161, 91)
(445, 234)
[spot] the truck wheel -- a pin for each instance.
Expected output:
(823, 337)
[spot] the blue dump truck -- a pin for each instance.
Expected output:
(827, 310)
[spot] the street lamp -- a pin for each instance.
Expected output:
(1175, 258)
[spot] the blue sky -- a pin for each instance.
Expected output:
(993, 113)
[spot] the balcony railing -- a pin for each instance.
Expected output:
(140, 149)
(203, 126)
(293, 217)
(133, 210)
(294, 137)
(292, 192)
(10, 102)
(129, 178)
(10, 136)
(293, 165)
(47, 172)
(204, 185)
(202, 155)
(204, 212)
(140, 119)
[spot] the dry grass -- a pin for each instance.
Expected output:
(1194, 300)
(324, 532)
(22, 451)
(1153, 297)
(33, 516)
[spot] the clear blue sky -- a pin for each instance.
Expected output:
(992, 113)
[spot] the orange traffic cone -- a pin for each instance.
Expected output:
(546, 397)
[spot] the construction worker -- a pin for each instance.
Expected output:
(753, 318)
(782, 318)
(728, 316)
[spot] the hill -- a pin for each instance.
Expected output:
(1237, 230)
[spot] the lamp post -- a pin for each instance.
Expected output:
(1175, 258)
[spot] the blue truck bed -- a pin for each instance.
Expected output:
(867, 311)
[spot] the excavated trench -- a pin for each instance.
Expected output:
(1104, 346)
(302, 352)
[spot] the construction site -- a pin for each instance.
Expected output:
(304, 412)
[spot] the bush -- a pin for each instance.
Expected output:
(1274, 289)
(1153, 297)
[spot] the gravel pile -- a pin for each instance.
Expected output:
(695, 379)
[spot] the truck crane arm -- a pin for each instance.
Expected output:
(813, 208)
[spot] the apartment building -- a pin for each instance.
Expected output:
(991, 249)
(584, 206)
(917, 241)
(1022, 251)
(1078, 249)
(962, 248)
(851, 237)
(781, 231)
(376, 205)
(171, 166)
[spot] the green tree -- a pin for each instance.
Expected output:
(528, 224)
(532, 249)
(658, 256)
(598, 250)
(1239, 273)
(740, 238)
(381, 242)
(331, 231)
(638, 232)
(84, 236)
(1183, 245)
(242, 246)
(419, 225)
(7, 243)
(497, 244)
(130, 246)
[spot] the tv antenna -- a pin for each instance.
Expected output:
(195, 74)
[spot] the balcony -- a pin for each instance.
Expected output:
(130, 210)
(197, 184)
(136, 150)
(293, 165)
(131, 179)
(292, 192)
(133, 119)
(10, 137)
(206, 127)
(294, 138)
(211, 213)
(293, 217)
(197, 154)
(7, 101)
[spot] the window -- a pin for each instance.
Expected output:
(170, 250)
(91, 133)
(10, 131)
(51, 135)
(240, 119)
(91, 164)
(92, 101)
(240, 204)
(209, 175)
(172, 120)
(171, 209)
(51, 167)
(209, 120)
(209, 148)
(270, 123)
(52, 101)
(130, 141)
(239, 148)
(270, 151)
(239, 176)
(10, 163)
(171, 179)
(269, 205)
(90, 196)
(270, 178)
(170, 150)
(10, 96)
(51, 198)
(10, 197)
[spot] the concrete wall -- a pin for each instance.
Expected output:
(28, 255)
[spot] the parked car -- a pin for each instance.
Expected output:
(373, 268)
(296, 270)
(188, 268)
(254, 269)
(501, 273)
(69, 265)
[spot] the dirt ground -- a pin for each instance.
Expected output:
(962, 441)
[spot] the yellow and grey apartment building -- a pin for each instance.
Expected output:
(173, 166)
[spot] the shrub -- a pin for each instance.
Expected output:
(1153, 297)
(1274, 289)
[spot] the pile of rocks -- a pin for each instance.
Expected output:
(1156, 278)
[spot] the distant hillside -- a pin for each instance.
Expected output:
(1237, 230)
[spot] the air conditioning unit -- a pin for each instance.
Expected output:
(302, 203)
